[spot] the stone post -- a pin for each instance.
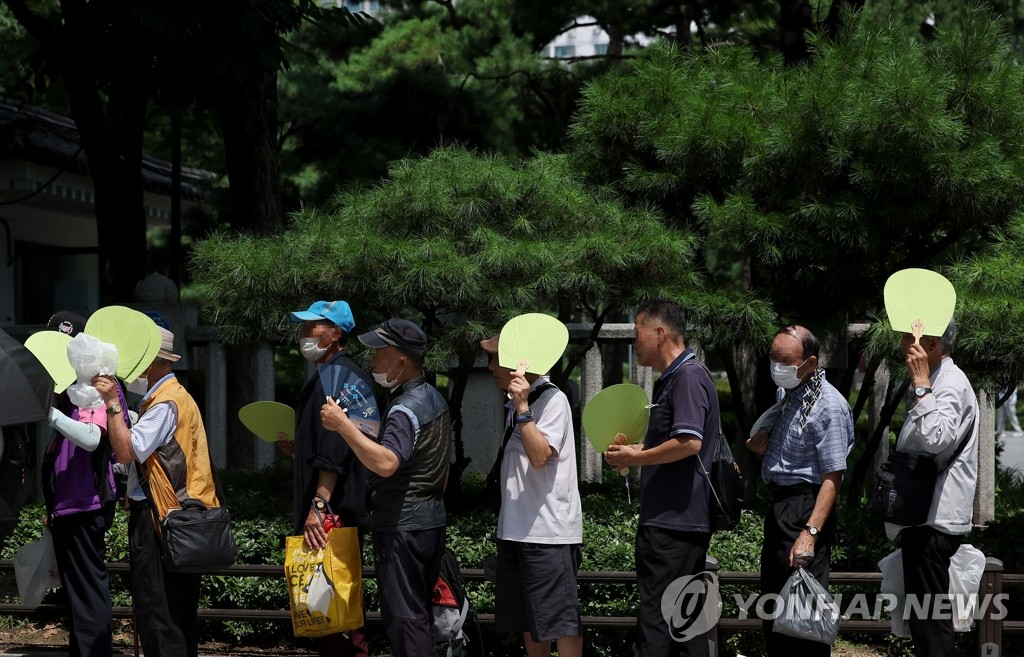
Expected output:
(591, 383)
(985, 495)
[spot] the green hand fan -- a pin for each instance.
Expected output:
(51, 348)
(919, 301)
(532, 343)
(617, 409)
(135, 335)
(266, 419)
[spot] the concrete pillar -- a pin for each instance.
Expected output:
(215, 418)
(483, 420)
(985, 495)
(591, 383)
(263, 367)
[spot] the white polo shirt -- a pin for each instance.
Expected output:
(542, 505)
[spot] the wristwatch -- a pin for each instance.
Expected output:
(114, 409)
(524, 417)
(812, 530)
(319, 503)
(921, 391)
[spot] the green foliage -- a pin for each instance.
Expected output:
(466, 240)
(811, 184)
(424, 75)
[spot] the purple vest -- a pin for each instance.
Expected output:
(73, 475)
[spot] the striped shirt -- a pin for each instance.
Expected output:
(795, 457)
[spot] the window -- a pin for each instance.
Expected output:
(562, 52)
(601, 49)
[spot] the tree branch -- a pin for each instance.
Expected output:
(452, 14)
(574, 25)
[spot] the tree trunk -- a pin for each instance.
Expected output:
(112, 142)
(794, 21)
(247, 113)
(459, 379)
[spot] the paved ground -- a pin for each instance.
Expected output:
(1013, 450)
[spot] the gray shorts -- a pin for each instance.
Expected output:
(536, 590)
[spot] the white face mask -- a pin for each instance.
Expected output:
(311, 349)
(139, 386)
(785, 376)
(382, 379)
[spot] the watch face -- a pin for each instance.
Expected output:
(919, 391)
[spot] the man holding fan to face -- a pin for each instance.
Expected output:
(540, 525)
(941, 421)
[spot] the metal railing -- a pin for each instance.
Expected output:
(990, 628)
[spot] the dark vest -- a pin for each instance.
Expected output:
(413, 497)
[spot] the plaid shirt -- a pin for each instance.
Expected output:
(822, 446)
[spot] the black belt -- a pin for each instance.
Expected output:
(780, 492)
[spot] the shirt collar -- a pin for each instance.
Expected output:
(149, 393)
(680, 359)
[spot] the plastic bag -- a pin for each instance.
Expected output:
(806, 609)
(965, 571)
(892, 584)
(89, 357)
(35, 569)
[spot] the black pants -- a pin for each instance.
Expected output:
(166, 603)
(82, 562)
(662, 556)
(926, 555)
(408, 563)
(790, 509)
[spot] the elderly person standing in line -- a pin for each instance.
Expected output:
(409, 470)
(941, 420)
(540, 525)
(804, 461)
(674, 528)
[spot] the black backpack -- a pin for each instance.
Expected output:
(451, 611)
(726, 486)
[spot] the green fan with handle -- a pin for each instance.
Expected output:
(51, 348)
(920, 302)
(532, 343)
(269, 420)
(622, 408)
(135, 335)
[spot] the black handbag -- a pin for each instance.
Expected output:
(198, 539)
(905, 486)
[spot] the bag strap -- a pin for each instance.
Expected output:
(721, 436)
(535, 394)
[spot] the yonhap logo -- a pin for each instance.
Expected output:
(691, 605)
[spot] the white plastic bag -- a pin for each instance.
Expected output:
(892, 584)
(807, 610)
(35, 569)
(965, 571)
(89, 357)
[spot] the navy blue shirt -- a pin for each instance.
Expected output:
(675, 495)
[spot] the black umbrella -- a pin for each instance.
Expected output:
(25, 385)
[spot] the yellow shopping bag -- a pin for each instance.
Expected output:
(325, 589)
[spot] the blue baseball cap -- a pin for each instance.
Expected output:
(337, 312)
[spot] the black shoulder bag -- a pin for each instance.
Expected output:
(905, 486)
